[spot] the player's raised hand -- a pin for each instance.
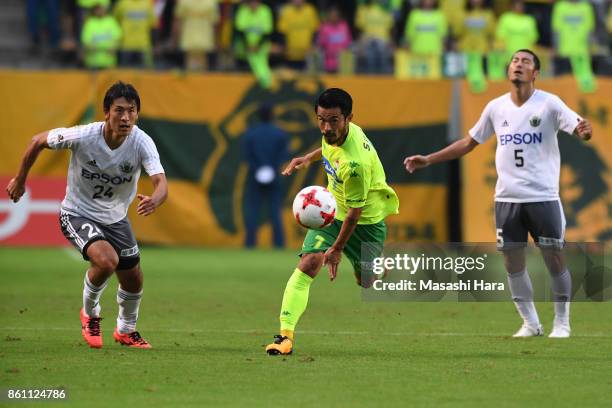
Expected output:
(296, 164)
(413, 163)
(146, 206)
(584, 130)
(332, 258)
(15, 189)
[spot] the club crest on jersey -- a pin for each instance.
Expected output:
(60, 138)
(126, 167)
(535, 121)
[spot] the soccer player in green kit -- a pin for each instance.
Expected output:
(356, 178)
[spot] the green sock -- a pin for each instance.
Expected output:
(295, 300)
(496, 65)
(475, 73)
(581, 67)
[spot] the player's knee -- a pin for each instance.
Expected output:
(310, 264)
(106, 261)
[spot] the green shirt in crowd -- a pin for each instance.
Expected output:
(254, 24)
(101, 36)
(92, 3)
(356, 178)
(517, 31)
(573, 22)
(425, 31)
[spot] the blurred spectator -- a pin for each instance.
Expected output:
(375, 24)
(610, 29)
(83, 10)
(137, 21)
(195, 24)
(515, 30)
(573, 26)
(254, 24)
(477, 29)
(100, 39)
(334, 37)
(265, 148)
(454, 11)
(44, 13)
(475, 36)
(298, 22)
(602, 32)
(426, 29)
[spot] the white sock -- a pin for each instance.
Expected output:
(562, 293)
(522, 294)
(128, 310)
(91, 297)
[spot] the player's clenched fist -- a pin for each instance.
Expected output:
(584, 130)
(15, 189)
(413, 163)
(296, 164)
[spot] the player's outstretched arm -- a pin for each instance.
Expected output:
(451, 152)
(302, 162)
(16, 187)
(584, 130)
(147, 205)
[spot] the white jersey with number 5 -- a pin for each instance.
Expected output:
(527, 157)
(102, 182)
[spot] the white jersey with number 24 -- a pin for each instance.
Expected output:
(102, 182)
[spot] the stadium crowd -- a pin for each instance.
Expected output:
(411, 38)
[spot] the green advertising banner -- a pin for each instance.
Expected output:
(197, 122)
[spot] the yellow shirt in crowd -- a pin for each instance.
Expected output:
(298, 25)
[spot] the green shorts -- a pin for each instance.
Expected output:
(365, 244)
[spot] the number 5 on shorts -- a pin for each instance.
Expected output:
(500, 238)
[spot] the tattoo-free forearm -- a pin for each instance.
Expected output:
(348, 226)
(160, 192)
(37, 144)
(315, 155)
(453, 151)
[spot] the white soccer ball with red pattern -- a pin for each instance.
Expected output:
(314, 207)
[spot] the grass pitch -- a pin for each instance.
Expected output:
(209, 313)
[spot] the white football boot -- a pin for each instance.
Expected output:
(560, 331)
(529, 331)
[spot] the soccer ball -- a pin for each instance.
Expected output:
(314, 207)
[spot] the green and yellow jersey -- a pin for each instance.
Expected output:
(356, 178)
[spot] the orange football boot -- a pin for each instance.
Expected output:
(91, 330)
(282, 345)
(132, 339)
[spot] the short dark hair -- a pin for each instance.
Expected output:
(335, 98)
(121, 90)
(536, 60)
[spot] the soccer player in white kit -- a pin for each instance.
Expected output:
(105, 163)
(526, 121)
